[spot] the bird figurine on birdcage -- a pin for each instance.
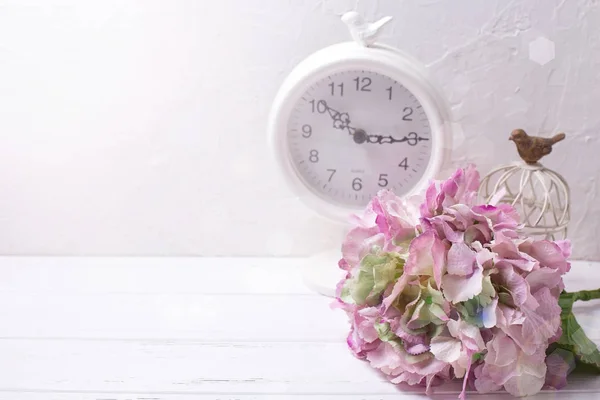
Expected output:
(540, 195)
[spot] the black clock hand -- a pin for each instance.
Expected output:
(412, 139)
(341, 121)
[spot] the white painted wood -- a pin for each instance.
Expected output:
(152, 275)
(171, 316)
(164, 298)
(280, 396)
(193, 367)
(179, 328)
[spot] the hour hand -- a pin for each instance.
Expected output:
(341, 120)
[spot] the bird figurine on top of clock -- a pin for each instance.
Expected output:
(361, 31)
(352, 119)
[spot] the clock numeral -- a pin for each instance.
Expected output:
(404, 163)
(413, 139)
(332, 174)
(306, 131)
(313, 156)
(357, 184)
(319, 106)
(333, 86)
(389, 90)
(407, 113)
(383, 182)
(363, 84)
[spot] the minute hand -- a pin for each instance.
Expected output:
(412, 139)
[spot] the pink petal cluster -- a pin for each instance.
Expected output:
(449, 289)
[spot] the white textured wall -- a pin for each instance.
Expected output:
(138, 127)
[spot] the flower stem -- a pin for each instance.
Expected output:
(586, 295)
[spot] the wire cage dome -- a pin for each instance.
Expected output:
(540, 195)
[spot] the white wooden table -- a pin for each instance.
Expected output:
(194, 328)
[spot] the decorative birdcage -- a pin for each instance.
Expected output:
(540, 195)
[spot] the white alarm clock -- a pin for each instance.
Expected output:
(355, 118)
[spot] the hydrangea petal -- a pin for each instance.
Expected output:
(445, 348)
(488, 315)
(483, 382)
(514, 283)
(416, 349)
(543, 277)
(543, 322)
(524, 385)
(565, 247)
(384, 356)
(408, 377)
(560, 363)
(427, 255)
(396, 290)
(468, 334)
(460, 260)
(459, 288)
(549, 254)
(431, 206)
(393, 218)
(359, 242)
(508, 251)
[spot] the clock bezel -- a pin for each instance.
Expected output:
(345, 57)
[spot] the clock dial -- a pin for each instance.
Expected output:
(356, 132)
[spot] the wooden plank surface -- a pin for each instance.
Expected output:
(198, 396)
(20, 395)
(195, 367)
(88, 275)
(175, 328)
(171, 316)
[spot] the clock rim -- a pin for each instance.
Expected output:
(347, 56)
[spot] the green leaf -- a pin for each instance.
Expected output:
(575, 340)
(573, 337)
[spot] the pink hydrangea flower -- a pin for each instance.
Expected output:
(448, 289)
(507, 365)
(387, 224)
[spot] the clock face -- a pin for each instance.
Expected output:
(354, 133)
